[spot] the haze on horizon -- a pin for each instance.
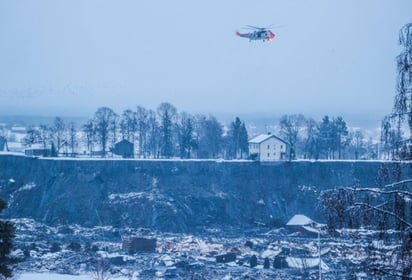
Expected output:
(71, 57)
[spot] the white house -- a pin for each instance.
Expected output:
(267, 147)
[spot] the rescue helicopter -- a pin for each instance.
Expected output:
(258, 33)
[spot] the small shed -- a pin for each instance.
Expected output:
(123, 148)
(37, 150)
(303, 225)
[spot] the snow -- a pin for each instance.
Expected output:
(299, 220)
(304, 263)
(55, 276)
(127, 196)
(260, 138)
(27, 187)
(52, 276)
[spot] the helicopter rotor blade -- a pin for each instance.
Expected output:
(274, 26)
(255, 27)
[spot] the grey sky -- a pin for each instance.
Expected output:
(329, 57)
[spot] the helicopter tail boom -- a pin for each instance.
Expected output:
(245, 35)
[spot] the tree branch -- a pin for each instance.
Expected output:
(361, 204)
(398, 183)
(406, 193)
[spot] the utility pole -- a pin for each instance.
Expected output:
(320, 259)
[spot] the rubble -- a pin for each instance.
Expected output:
(260, 254)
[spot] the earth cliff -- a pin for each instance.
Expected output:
(178, 196)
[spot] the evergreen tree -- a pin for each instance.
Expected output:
(237, 142)
(340, 134)
(167, 114)
(243, 141)
(187, 141)
(326, 137)
(7, 234)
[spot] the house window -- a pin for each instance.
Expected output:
(268, 155)
(268, 147)
(281, 147)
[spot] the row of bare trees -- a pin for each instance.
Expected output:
(160, 133)
(165, 133)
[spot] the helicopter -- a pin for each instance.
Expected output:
(258, 33)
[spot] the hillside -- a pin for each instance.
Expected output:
(177, 196)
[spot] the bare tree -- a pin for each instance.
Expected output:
(392, 124)
(312, 144)
(45, 135)
(128, 125)
(210, 137)
(290, 127)
(153, 140)
(88, 130)
(72, 138)
(101, 269)
(142, 125)
(58, 129)
(380, 209)
(104, 118)
(357, 141)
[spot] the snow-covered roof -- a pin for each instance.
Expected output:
(299, 220)
(263, 137)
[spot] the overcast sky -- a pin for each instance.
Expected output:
(71, 57)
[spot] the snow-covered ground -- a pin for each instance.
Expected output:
(52, 276)
(55, 276)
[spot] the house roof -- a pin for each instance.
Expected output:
(263, 137)
(299, 220)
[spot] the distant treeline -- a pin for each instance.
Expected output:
(167, 133)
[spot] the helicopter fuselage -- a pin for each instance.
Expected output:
(264, 35)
